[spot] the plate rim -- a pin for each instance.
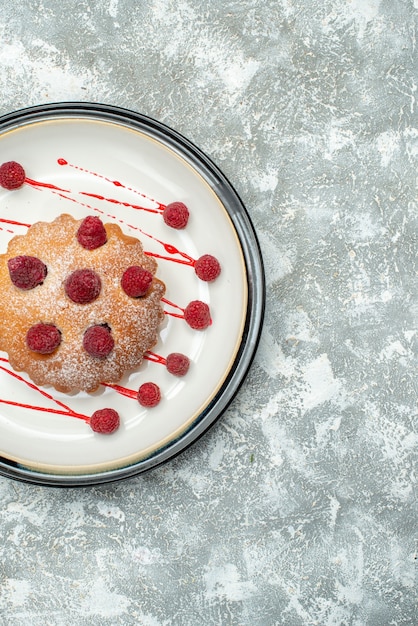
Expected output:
(255, 279)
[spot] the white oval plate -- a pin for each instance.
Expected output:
(110, 162)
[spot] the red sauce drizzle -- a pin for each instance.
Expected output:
(169, 248)
(13, 223)
(114, 201)
(124, 391)
(185, 259)
(64, 410)
(155, 358)
(175, 306)
(117, 183)
(38, 183)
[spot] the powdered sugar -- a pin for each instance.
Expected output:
(134, 322)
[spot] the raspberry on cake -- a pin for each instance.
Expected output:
(92, 233)
(43, 338)
(26, 272)
(98, 341)
(136, 281)
(83, 286)
(66, 320)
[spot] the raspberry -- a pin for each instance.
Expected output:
(177, 364)
(26, 272)
(207, 268)
(149, 395)
(83, 286)
(43, 338)
(92, 233)
(136, 281)
(105, 421)
(12, 175)
(197, 315)
(176, 215)
(98, 341)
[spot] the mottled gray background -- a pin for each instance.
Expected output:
(299, 507)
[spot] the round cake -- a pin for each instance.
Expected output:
(80, 303)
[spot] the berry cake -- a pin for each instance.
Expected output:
(80, 303)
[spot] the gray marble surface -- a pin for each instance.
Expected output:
(299, 507)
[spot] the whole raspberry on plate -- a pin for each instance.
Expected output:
(12, 175)
(136, 281)
(207, 268)
(83, 286)
(43, 338)
(176, 215)
(177, 364)
(92, 233)
(98, 341)
(149, 395)
(105, 421)
(26, 272)
(197, 315)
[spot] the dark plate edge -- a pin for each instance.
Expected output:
(255, 283)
